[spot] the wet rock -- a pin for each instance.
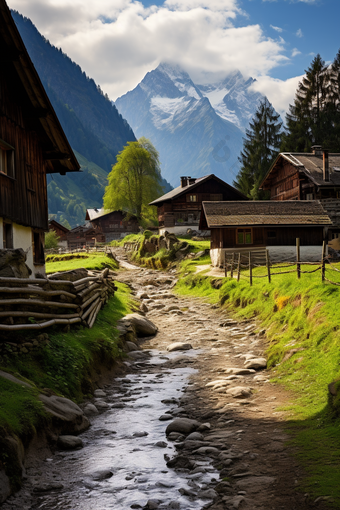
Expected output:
(195, 436)
(101, 474)
(181, 462)
(141, 325)
(256, 363)
(182, 425)
(239, 392)
(47, 487)
(132, 346)
(5, 487)
(69, 442)
(99, 393)
(152, 504)
(161, 444)
(140, 434)
(207, 494)
(90, 410)
(66, 414)
(208, 450)
(179, 346)
(137, 354)
(165, 417)
(101, 405)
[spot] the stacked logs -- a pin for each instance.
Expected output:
(42, 302)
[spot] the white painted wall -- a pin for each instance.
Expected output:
(276, 254)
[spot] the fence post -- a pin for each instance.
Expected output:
(250, 270)
(268, 266)
(225, 265)
(238, 267)
(323, 268)
(298, 267)
(232, 266)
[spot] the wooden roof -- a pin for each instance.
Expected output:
(32, 97)
(54, 223)
(176, 192)
(281, 213)
(309, 164)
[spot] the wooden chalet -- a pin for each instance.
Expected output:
(113, 224)
(61, 232)
(83, 237)
(308, 176)
(32, 144)
(241, 227)
(180, 209)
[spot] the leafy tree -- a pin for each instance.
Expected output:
(306, 119)
(51, 240)
(260, 147)
(134, 180)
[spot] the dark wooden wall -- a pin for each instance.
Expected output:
(263, 236)
(23, 199)
(116, 222)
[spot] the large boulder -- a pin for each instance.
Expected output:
(13, 264)
(141, 325)
(182, 425)
(66, 415)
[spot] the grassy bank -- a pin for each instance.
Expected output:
(301, 319)
(64, 363)
(69, 261)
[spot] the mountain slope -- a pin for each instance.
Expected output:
(197, 129)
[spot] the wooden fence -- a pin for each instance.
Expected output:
(235, 262)
(41, 302)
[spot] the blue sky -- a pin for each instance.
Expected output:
(117, 41)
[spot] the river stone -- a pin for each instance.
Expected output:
(161, 444)
(165, 417)
(69, 442)
(90, 410)
(182, 425)
(141, 325)
(195, 436)
(207, 494)
(208, 450)
(101, 405)
(99, 393)
(240, 371)
(256, 363)
(5, 488)
(66, 414)
(179, 346)
(101, 474)
(132, 346)
(239, 392)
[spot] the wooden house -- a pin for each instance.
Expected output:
(113, 224)
(84, 236)
(32, 144)
(241, 227)
(308, 176)
(61, 232)
(180, 209)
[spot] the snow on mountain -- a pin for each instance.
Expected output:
(197, 129)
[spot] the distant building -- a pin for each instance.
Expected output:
(32, 144)
(241, 227)
(61, 232)
(180, 209)
(83, 236)
(308, 176)
(113, 225)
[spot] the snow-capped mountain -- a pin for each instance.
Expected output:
(197, 129)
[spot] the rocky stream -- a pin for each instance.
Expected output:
(195, 422)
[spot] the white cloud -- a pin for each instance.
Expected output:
(278, 29)
(299, 33)
(280, 93)
(117, 41)
(295, 52)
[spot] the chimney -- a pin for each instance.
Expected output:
(191, 180)
(184, 182)
(317, 150)
(325, 166)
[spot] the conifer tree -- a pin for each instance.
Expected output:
(260, 147)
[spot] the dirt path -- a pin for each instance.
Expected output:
(258, 469)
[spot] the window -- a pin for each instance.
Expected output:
(191, 198)
(7, 235)
(6, 159)
(309, 196)
(38, 248)
(244, 236)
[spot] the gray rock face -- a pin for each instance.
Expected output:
(5, 488)
(69, 442)
(182, 425)
(141, 325)
(13, 264)
(179, 346)
(68, 416)
(239, 392)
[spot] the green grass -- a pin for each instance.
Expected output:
(70, 261)
(296, 314)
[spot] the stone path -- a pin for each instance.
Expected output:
(222, 434)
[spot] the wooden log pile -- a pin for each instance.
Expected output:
(27, 303)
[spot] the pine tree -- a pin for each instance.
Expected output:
(260, 147)
(306, 117)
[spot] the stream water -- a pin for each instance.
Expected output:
(122, 464)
